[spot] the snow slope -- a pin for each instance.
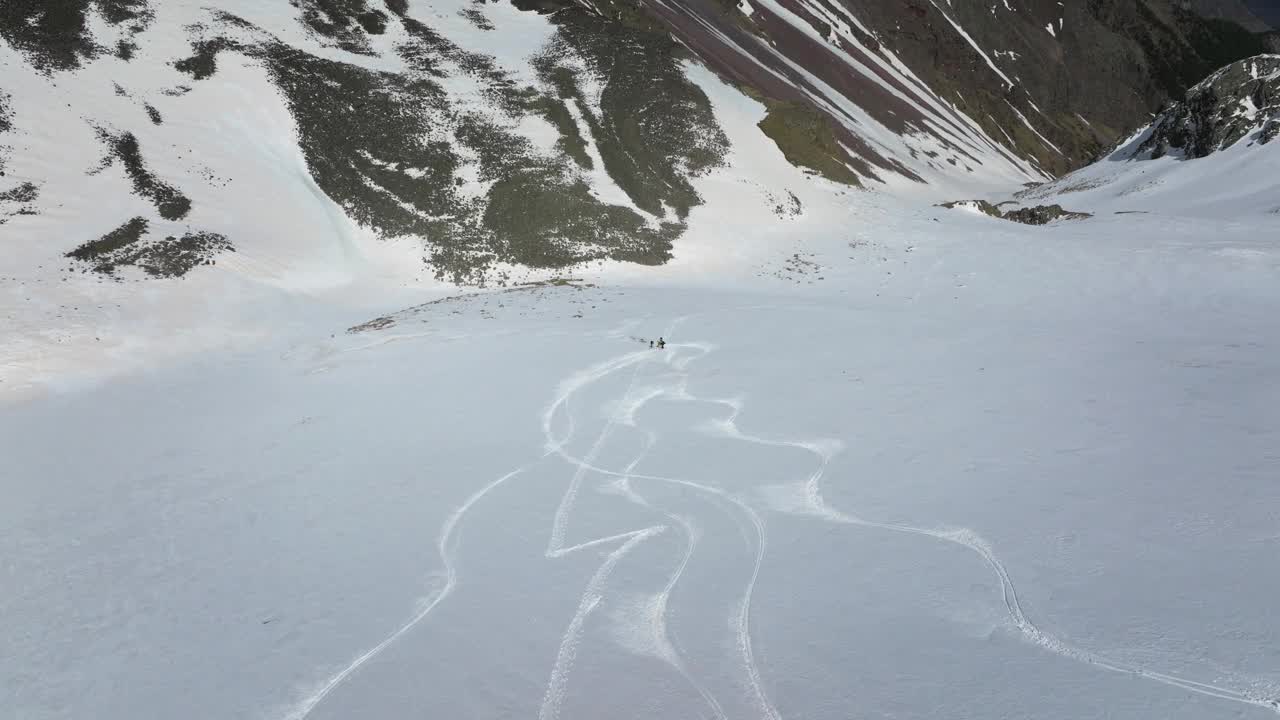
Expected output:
(1210, 156)
(996, 471)
(1234, 184)
(894, 461)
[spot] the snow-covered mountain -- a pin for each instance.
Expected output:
(268, 453)
(1238, 102)
(1211, 154)
(298, 125)
(488, 138)
(1051, 82)
(308, 145)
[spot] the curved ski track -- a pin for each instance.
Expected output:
(677, 358)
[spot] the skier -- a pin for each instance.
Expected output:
(650, 344)
(661, 343)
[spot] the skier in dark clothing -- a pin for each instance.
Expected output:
(661, 343)
(650, 344)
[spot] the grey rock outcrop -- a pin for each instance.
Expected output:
(1034, 215)
(1239, 102)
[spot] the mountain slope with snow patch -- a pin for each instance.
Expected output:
(1212, 154)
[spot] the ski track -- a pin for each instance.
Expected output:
(742, 620)
(444, 546)
(825, 450)
(663, 598)
(974, 542)
(625, 414)
(813, 504)
(591, 597)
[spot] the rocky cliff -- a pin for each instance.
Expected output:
(1054, 83)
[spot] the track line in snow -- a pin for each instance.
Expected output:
(445, 542)
(553, 699)
(571, 385)
(661, 601)
(825, 450)
(741, 622)
(815, 504)
(555, 544)
(811, 502)
(625, 414)
(445, 546)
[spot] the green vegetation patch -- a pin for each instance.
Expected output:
(360, 130)
(655, 130)
(171, 257)
(806, 139)
(403, 160)
(477, 18)
(169, 201)
(6, 124)
(6, 114)
(175, 257)
(203, 62)
(346, 23)
(544, 219)
(25, 193)
(122, 237)
(555, 111)
(54, 35)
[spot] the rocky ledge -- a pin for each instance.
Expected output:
(1035, 215)
(1241, 101)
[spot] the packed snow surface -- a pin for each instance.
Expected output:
(932, 460)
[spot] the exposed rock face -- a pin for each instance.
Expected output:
(1050, 81)
(1240, 101)
(1035, 215)
(1042, 214)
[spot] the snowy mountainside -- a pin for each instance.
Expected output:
(1212, 154)
(893, 461)
(450, 121)
(1053, 83)
(252, 147)
(492, 137)
(304, 146)
(364, 117)
(1239, 101)
(292, 243)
